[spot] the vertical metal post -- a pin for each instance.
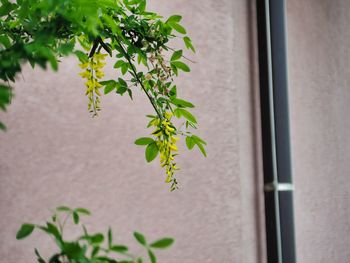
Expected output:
(275, 131)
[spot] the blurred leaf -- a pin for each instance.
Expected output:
(97, 238)
(152, 257)
(110, 237)
(190, 143)
(176, 55)
(24, 231)
(174, 19)
(40, 259)
(181, 103)
(163, 243)
(181, 65)
(188, 44)
(75, 217)
(140, 238)
(185, 114)
(83, 211)
(119, 248)
(178, 27)
(63, 209)
(2, 126)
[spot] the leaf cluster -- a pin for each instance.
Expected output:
(89, 247)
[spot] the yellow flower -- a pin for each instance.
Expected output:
(84, 65)
(168, 115)
(85, 74)
(99, 56)
(173, 147)
(98, 65)
(97, 92)
(97, 84)
(99, 74)
(169, 178)
(174, 139)
(158, 134)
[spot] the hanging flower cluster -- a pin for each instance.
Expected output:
(93, 72)
(134, 45)
(166, 142)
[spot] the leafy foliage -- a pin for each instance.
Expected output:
(88, 247)
(42, 31)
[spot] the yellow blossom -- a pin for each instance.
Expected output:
(168, 115)
(84, 65)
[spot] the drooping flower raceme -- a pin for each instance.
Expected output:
(166, 142)
(93, 73)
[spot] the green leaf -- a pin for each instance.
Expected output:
(122, 82)
(177, 27)
(55, 258)
(174, 19)
(181, 65)
(140, 238)
(24, 231)
(52, 229)
(176, 55)
(72, 250)
(83, 211)
(174, 69)
(163, 243)
(5, 41)
(198, 139)
(201, 148)
(83, 58)
(2, 126)
(152, 257)
(121, 89)
(119, 249)
(187, 115)
(144, 141)
(63, 209)
(188, 44)
(75, 218)
(151, 151)
(119, 64)
(6, 7)
(109, 88)
(97, 238)
(130, 93)
(181, 103)
(53, 63)
(110, 237)
(95, 251)
(125, 68)
(40, 259)
(190, 143)
(173, 92)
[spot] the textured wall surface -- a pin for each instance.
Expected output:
(319, 57)
(54, 153)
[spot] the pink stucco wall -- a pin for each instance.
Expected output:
(319, 63)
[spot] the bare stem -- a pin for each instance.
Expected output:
(138, 79)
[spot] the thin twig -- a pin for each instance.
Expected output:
(138, 79)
